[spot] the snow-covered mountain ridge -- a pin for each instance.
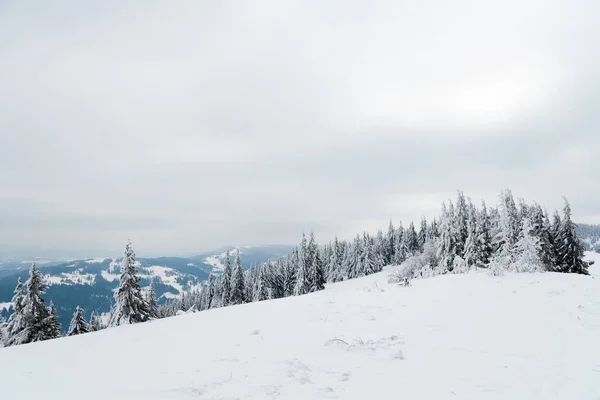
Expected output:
(90, 283)
(466, 336)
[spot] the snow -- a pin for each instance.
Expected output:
(472, 336)
(70, 278)
(109, 277)
(5, 306)
(191, 265)
(167, 275)
(95, 261)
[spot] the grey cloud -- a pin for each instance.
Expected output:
(193, 125)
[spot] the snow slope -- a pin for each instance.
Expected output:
(527, 336)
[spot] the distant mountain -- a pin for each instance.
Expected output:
(90, 283)
(590, 236)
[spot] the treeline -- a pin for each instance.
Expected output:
(514, 236)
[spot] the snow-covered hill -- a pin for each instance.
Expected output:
(518, 336)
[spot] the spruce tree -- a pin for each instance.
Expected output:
(334, 268)
(289, 273)
(238, 286)
(152, 304)
(400, 250)
(302, 284)
(316, 272)
(527, 250)
(460, 223)
(390, 244)
(226, 280)
(571, 251)
(261, 292)
(16, 322)
(130, 305)
(423, 230)
(95, 322)
(54, 327)
(40, 323)
(412, 240)
(78, 324)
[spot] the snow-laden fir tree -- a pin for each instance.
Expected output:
(209, 290)
(334, 265)
(446, 249)
(370, 261)
(423, 233)
(302, 284)
(400, 250)
(78, 324)
(411, 240)
(130, 305)
(16, 322)
(527, 249)
(390, 244)
(290, 272)
(54, 327)
(40, 323)
(95, 322)
(460, 224)
(353, 261)
(152, 304)
(316, 272)
(226, 280)
(238, 286)
(570, 249)
(261, 291)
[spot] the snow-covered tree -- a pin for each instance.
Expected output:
(412, 240)
(390, 244)
(527, 249)
(78, 323)
(400, 250)
(570, 250)
(238, 286)
(226, 280)
(261, 291)
(334, 266)
(16, 322)
(316, 272)
(423, 230)
(152, 304)
(130, 305)
(54, 327)
(210, 292)
(40, 322)
(96, 322)
(302, 283)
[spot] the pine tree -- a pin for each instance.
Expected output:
(334, 267)
(484, 234)
(370, 262)
(130, 305)
(226, 280)
(40, 323)
(210, 291)
(152, 304)
(261, 292)
(302, 283)
(423, 233)
(460, 223)
(96, 323)
(400, 250)
(289, 273)
(316, 273)
(446, 249)
(390, 244)
(527, 250)
(571, 251)
(238, 286)
(353, 260)
(16, 322)
(78, 324)
(54, 327)
(412, 240)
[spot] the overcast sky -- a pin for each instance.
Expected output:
(188, 125)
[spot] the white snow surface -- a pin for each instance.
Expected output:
(517, 336)
(5, 305)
